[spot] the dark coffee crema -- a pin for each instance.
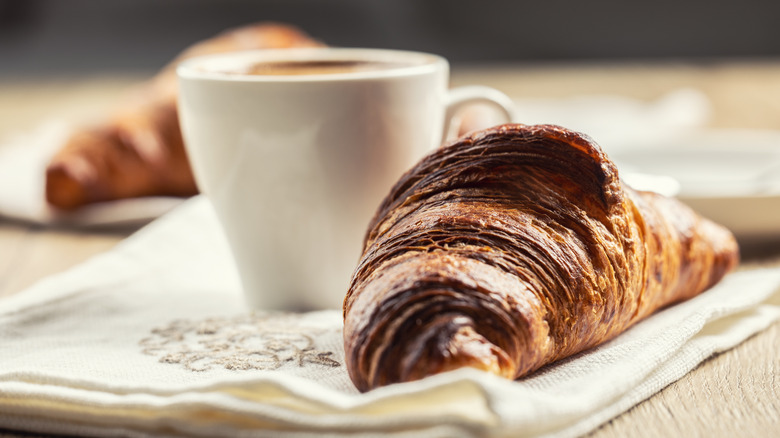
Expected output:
(318, 67)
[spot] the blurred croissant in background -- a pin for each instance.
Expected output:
(138, 151)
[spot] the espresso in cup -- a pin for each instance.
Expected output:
(296, 149)
(320, 67)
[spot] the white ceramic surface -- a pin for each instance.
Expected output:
(729, 176)
(296, 166)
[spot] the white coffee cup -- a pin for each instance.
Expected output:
(295, 163)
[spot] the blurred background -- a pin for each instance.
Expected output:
(55, 37)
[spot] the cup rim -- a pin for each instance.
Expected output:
(217, 66)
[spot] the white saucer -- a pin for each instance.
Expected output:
(729, 176)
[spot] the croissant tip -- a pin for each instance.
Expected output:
(63, 190)
(457, 345)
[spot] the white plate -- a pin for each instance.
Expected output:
(731, 177)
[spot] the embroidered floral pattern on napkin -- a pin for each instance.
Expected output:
(244, 342)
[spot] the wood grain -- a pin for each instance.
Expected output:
(36, 252)
(12, 241)
(730, 395)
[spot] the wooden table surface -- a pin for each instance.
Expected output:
(736, 393)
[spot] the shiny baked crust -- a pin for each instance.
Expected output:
(512, 248)
(138, 150)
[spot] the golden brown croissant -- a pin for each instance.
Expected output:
(512, 248)
(139, 151)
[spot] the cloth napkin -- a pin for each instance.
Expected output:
(615, 122)
(153, 338)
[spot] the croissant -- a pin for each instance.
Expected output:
(139, 150)
(512, 248)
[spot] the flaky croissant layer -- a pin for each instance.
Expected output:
(512, 248)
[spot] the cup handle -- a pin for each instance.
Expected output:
(459, 98)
